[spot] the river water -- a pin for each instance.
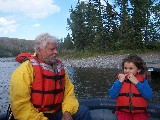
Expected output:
(89, 82)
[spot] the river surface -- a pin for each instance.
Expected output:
(89, 82)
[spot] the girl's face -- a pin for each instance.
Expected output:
(129, 67)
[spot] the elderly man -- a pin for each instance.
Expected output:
(40, 88)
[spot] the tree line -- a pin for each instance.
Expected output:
(11, 47)
(125, 25)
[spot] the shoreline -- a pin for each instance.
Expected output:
(108, 61)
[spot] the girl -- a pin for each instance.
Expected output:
(131, 90)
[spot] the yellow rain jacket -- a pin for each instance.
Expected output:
(20, 94)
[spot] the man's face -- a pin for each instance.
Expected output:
(49, 53)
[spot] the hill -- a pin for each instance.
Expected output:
(11, 47)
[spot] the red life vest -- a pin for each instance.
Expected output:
(47, 89)
(23, 57)
(130, 100)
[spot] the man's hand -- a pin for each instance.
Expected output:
(67, 116)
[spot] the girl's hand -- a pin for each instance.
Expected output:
(121, 77)
(132, 78)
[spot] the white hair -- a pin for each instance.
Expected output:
(42, 40)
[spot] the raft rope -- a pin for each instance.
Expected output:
(9, 114)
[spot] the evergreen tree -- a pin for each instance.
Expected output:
(77, 25)
(68, 44)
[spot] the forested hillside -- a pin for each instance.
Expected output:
(11, 47)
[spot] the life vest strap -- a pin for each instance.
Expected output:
(56, 77)
(130, 95)
(130, 108)
(56, 91)
(53, 106)
(48, 106)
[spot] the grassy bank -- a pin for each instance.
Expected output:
(84, 54)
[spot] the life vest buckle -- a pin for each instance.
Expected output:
(130, 94)
(131, 107)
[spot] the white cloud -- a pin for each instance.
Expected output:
(5, 21)
(8, 29)
(84, 1)
(103, 2)
(29, 8)
(7, 25)
(36, 25)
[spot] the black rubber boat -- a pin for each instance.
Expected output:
(103, 109)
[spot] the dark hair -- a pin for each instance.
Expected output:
(138, 61)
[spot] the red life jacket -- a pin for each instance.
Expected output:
(23, 57)
(130, 100)
(47, 89)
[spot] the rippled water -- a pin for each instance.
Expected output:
(7, 66)
(89, 82)
(95, 82)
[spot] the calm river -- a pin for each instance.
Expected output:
(89, 82)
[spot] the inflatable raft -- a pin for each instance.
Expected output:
(103, 109)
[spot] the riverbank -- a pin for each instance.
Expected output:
(108, 61)
(105, 61)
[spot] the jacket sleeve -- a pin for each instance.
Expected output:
(115, 89)
(20, 90)
(70, 103)
(145, 89)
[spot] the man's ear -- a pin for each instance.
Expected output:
(39, 51)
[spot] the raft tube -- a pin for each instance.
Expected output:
(109, 104)
(103, 109)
